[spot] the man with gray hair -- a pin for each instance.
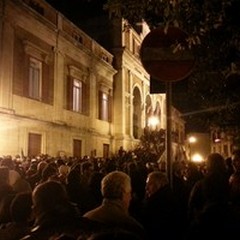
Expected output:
(113, 212)
(159, 212)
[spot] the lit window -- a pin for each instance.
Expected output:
(35, 78)
(77, 96)
(104, 106)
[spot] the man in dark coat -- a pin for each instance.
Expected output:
(55, 215)
(160, 214)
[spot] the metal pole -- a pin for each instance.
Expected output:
(190, 152)
(169, 131)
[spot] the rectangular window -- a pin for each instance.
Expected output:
(35, 79)
(105, 106)
(77, 96)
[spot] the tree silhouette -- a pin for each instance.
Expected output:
(211, 96)
(151, 146)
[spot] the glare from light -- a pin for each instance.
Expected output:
(153, 121)
(197, 158)
(192, 139)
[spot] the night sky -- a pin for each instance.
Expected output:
(76, 10)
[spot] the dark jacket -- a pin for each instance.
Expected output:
(160, 215)
(62, 221)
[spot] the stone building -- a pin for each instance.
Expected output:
(61, 92)
(225, 139)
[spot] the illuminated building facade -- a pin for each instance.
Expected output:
(61, 92)
(225, 140)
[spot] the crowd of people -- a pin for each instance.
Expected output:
(64, 198)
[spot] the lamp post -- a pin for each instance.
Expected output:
(169, 132)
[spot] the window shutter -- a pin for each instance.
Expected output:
(25, 75)
(85, 101)
(100, 104)
(18, 69)
(47, 83)
(84, 97)
(69, 93)
(110, 108)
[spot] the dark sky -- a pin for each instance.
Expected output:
(78, 9)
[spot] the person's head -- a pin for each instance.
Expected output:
(41, 165)
(236, 159)
(155, 181)
(64, 170)
(4, 175)
(116, 185)
(47, 196)
(86, 168)
(215, 163)
(8, 162)
(49, 172)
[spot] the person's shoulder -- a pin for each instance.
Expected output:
(234, 178)
(81, 226)
(34, 234)
(92, 212)
(88, 226)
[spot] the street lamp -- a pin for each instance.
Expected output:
(153, 121)
(192, 139)
(197, 158)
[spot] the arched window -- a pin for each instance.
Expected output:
(137, 113)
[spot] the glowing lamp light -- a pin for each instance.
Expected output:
(217, 140)
(192, 139)
(153, 121)
(197, 158)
